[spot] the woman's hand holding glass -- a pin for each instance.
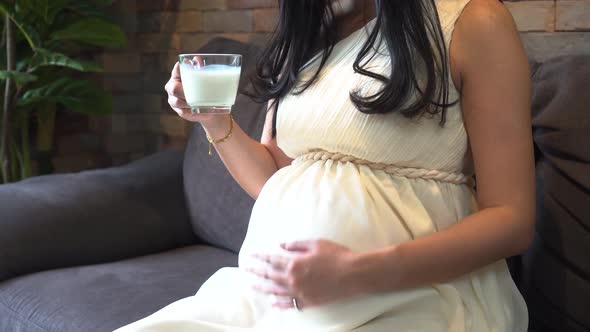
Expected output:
(177, 100)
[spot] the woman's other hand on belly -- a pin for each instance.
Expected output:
(314, 272)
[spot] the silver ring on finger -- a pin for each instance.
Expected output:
(295, 305)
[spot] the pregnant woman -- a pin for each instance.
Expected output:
(366, 217)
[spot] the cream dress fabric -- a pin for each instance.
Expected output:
(365, 181)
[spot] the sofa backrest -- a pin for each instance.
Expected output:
(219, 209)
(555, 272)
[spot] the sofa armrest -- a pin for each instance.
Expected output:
(95, 216)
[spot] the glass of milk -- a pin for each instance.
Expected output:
(210, 81)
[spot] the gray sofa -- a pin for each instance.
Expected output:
(99, 249)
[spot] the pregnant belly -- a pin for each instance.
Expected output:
(364, 210)
(342, 202)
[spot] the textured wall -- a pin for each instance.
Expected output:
(160, 29)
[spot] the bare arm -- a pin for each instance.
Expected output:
(495, 84)
(251, 163)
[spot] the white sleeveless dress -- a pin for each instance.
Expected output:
(367, 182)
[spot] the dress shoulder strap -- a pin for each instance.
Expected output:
(448, 13)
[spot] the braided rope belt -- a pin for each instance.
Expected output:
(407, 172)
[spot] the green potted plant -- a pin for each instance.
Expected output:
(44, 44)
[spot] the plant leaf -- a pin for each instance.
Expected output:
(45, 57)
(103, 3)
(93, 8)
(40, 8)
(17, 76)
(76, 95)
(93, 31)
(90, 66)
(44, 10)
(55, 7)
(30, 35)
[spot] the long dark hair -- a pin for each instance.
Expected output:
(412, 32)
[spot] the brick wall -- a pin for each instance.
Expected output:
(553, 27)
(160, 29)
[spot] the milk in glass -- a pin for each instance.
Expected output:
(210, 82)
(213, 85)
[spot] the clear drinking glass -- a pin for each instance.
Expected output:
(210, 81)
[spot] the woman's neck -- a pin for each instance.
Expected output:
(351, 15)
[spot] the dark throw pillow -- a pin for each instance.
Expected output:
(555, 275)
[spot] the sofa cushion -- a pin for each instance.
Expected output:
(556, 270)
(106, 296)
(219, 208)
(96, 216)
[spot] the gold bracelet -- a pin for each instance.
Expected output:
(231, 130)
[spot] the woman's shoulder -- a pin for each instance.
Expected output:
(484, 25)
(485, 16)
(490, 10)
